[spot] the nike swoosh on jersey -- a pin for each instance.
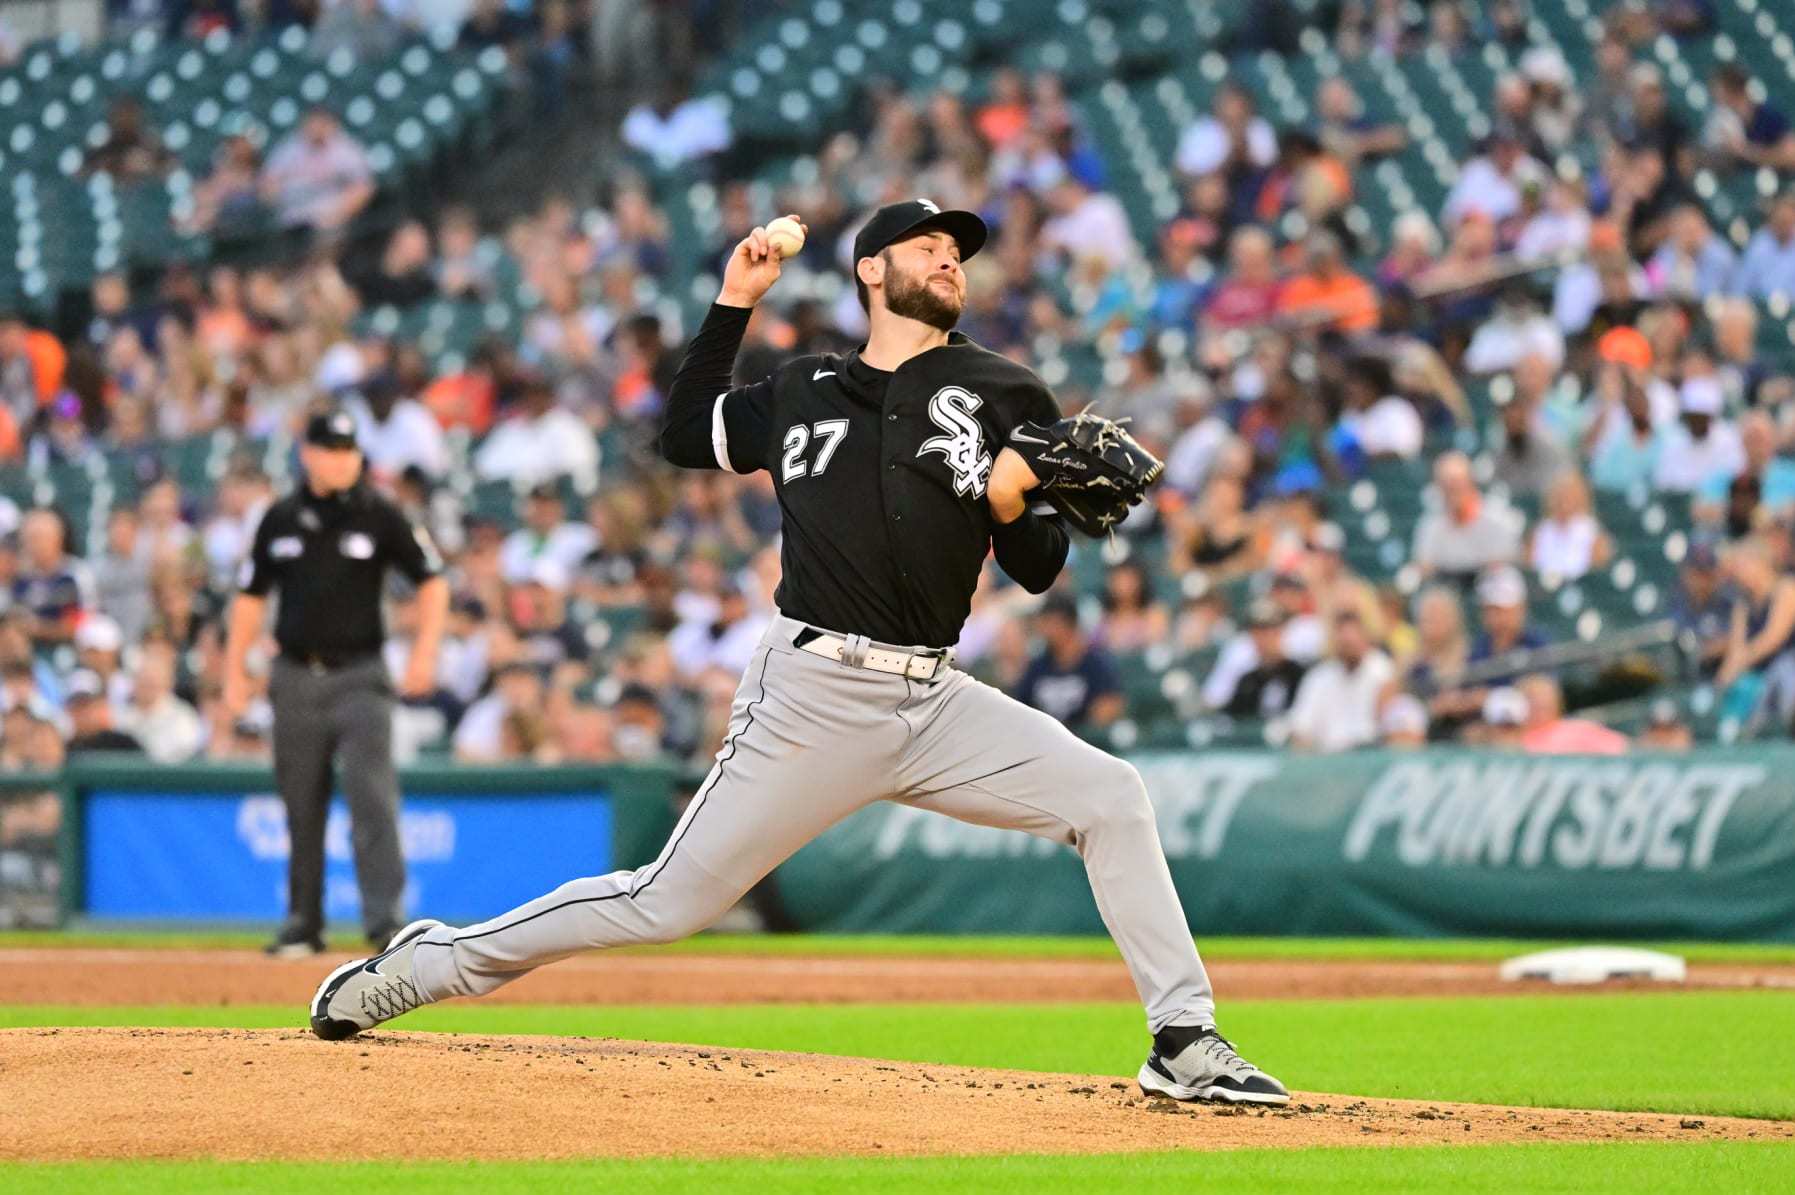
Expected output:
(822, 373)
(1026, 438)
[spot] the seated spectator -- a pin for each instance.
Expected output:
(1346, 131)
(1220, 539)
(1468, 532)
(1530, 458)
(1743, 373)
(1233, 139)
(33, 364)
(53, 588)
(1603, 292)
(1327, 295)
(1414, 250)
(1004, 114)
(1268, 688)
(1665, 729)
(1559, 227)
(1247, 294)
(228, 200)
(1650, 120)
(539, 442)
(1703, 446)
(319, 176)
(1622, 438)
(1504, 720)
(1693, 261)
(1490, 184)
(362, 27)
(99, 649)
(1085, 224)
(1502, 602)
(1568, 541)
(1757, 670)
(463, 268)
(402, 277)
(677, 127)
(1745, 132)
(720, 642)
(169, 729)
(1774, 474)
(122, 574)
(1133, 619)
(131, 151)
(480, 736)
(1376, 419)
(1548, 732)
(1767, 266)
(396, 432)
(1402, 723)
(1070, 678)
(1554, 106)
(546, 533)
(1442, 647)
(1336, 706)
(1517, 329)
(90, 718)
(1702, 606)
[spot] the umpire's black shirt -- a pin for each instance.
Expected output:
(329, 557)
(880, 475)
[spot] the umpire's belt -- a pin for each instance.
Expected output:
(857, 651)
(327, 661)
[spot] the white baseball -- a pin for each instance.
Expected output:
(786, 235)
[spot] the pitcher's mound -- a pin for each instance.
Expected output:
(256, 1094)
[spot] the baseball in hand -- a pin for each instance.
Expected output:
(787, 236)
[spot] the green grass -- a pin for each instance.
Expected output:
(1699, 1052)
(951, 946)
(1738, 1168)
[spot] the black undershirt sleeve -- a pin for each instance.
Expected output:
(1031, 550)
(690, 433)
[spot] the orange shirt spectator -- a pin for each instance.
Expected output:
(34, 353)
(1348, 297)
(462, 400)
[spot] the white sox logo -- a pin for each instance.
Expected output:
(964, 445)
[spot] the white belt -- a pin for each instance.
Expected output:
(859, 652)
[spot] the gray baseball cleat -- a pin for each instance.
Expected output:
(1191, 1063)
(364, 992)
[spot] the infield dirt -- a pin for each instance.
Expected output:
(282, 1094)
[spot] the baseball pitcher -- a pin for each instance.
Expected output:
(897, 468)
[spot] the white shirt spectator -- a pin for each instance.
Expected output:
(1685, 464)
(481, 732)
(1097, 227)
(169, 729)
(1565, 549)
(1193, 454)
(1553, 232)
(567, 545)
(1502, 340)
(1578, 292)
(695, 128)
(530, 449)
(1481, 187)
(307, 181)
(1389, 427)
(696, 650)
(409, 435)
(1203, 147)
(1336, 709)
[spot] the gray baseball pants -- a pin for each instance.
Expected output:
(811, 741)
(319, 716)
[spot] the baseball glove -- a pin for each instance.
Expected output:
(1091, 469)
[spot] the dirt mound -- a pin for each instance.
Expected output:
(222, 977)
(262, 1094)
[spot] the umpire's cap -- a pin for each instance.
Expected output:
(895, 221)
(332, 427)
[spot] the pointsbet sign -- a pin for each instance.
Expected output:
(1701, 845)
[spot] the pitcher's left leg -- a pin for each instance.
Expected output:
(983, 757)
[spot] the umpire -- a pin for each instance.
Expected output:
(326, 548)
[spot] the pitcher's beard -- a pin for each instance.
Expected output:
(915, 298)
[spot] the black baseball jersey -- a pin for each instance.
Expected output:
(328, 557)
(880, 476)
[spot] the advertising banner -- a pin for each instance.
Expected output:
(1434, 843)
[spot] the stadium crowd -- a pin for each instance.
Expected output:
(1270, 350)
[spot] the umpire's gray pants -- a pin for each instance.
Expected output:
(319, 715)
(810, 741)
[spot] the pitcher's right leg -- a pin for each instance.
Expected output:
(809, 743)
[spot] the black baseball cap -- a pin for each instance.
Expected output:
(331, 428)
(895, 221)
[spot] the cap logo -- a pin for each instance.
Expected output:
(934, 209)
